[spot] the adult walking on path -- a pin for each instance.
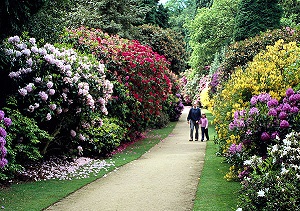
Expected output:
(163, 179)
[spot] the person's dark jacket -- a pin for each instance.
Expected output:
(194, 114)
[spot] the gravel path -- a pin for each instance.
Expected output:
(164, 179)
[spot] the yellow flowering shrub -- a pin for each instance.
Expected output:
(271, 71)
(205, 100)
(231, 175)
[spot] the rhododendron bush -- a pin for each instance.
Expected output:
(144, 80)
(256, 128)
(5, 122)
(272, 71)
(274, 182)
(59, 88)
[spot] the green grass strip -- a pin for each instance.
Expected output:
(41, 194)
(214, 192)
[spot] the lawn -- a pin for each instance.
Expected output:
(214, 192)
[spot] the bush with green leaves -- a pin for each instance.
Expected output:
(104, 135)
(165, 42)
(256, 16)
(23, 142)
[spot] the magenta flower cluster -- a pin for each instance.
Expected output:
(279, 113)
(5, 122)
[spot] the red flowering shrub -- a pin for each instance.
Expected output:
(141, 77)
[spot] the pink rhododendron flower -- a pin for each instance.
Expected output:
(49, 84)
(43, 95)
(23, 92)
(73, 133)
(48, 117)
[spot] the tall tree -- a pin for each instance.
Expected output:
(112, 16)
(166, 42)
(255, 16)
(211, 29)
(204, 3)
(182, 12)
(14, 13)
(157, 14)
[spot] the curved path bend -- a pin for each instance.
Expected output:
(163, 179)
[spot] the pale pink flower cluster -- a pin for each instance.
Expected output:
(73, 72)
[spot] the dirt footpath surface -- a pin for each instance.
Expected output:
(163, 179)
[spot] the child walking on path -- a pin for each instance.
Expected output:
(204, 127)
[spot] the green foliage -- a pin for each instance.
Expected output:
(181, 12)
(23, 142)
(104, 137)
(156, 14)
(219, 57)
(48, 23)
(112, 16)
(14, 13)
(161, 121)
(204, 3)
(291, 12)
(211, 29)
(255, 16)
(165, 42)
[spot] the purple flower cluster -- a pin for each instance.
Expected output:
(233, 149)
(215, 81)
(264, 97)
(5, 122)
(265, 121)
(238, 121)
(282, 113)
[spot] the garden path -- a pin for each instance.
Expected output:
(163, 179)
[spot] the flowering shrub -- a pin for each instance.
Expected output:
(192, 85)
(240, 53)
(144, 80)
(103, 138)
(23, 142)
(272, 71)
(257, 127)
(274, 182)
(176, 108)
(5, 122)
(58, 87)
